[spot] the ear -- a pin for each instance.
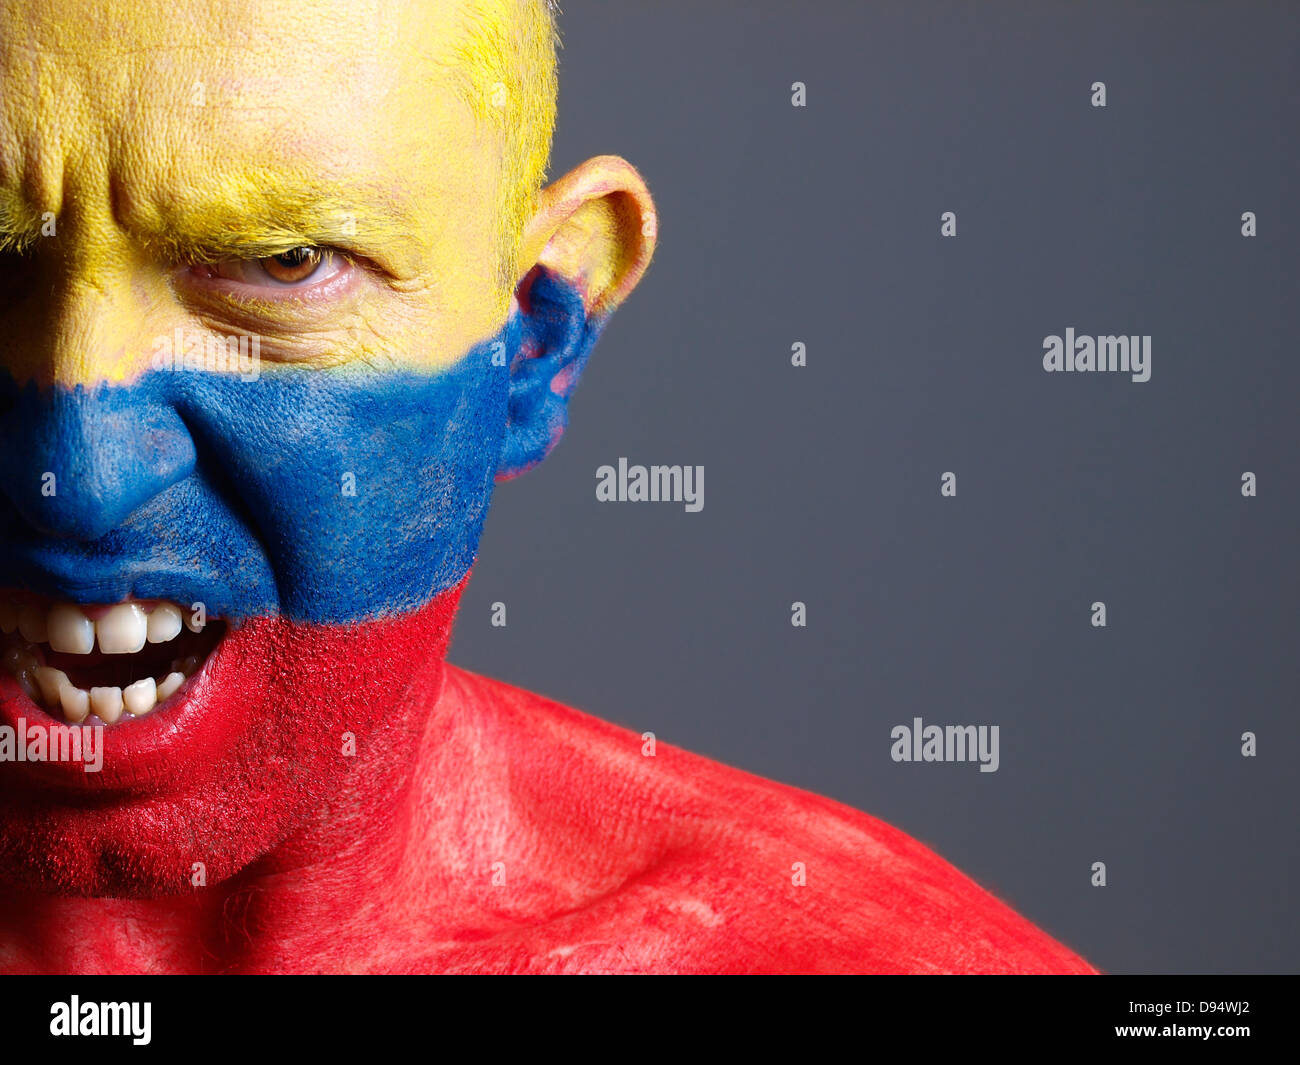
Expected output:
(582, 252)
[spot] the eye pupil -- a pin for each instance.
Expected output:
(297, 256)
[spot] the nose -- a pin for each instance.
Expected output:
(80, 459)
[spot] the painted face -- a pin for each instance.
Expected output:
(258, 374)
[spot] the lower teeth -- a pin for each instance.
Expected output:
(51, 688)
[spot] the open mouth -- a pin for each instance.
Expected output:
(102, 664)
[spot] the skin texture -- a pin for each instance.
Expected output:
(355, 804)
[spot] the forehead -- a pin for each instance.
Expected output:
(160, 106)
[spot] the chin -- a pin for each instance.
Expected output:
(265, 729)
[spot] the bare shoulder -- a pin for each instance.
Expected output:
(677, 863)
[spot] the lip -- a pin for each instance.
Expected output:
(182, 739)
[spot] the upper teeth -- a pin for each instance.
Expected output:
(122, 629)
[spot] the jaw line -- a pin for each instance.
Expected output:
(246, 768)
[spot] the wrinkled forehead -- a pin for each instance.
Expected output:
(158, 108)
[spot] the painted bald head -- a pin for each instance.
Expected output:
(282, 300)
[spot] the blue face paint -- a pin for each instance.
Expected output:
(325, 495)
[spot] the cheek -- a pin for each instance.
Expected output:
(321, 496)
(366, 492)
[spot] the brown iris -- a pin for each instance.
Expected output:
(297, 264)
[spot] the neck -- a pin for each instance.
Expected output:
(385, 852)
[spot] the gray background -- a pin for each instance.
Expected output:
(822, 484)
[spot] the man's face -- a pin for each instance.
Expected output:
(320, 493)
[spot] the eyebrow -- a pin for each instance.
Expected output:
(271, 218)
(20, 224)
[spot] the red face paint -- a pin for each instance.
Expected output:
(282, 718)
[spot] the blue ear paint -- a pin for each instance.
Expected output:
(557, 339)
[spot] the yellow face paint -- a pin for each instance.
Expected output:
(155, 136)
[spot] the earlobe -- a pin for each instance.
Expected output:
(587, 246)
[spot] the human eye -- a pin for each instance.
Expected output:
(303, 267)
